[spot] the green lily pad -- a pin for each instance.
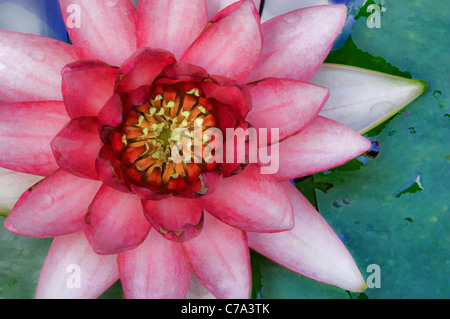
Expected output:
(20, 265)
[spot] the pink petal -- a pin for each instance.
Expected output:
(288, 105)
(30, 67)
(157, 269)
(214, 6)
(231, 43)
(324, 144)
(55, 206)
(115, 221)
(142, 68)
(312, 248)
(297, 43)
(77, 146)
(68, 257)
(86, 86)
(106, 30)
(162, 24)
(220, 259)
(250, 201)
(26, 132)
(176, 218)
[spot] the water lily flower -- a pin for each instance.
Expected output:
(98, 119)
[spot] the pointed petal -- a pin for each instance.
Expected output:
(324, 144)
(355, 98)
(110, 116)
(157, 269)
(104, 30)
(250, 201)
(55, 206)
(70, 257)
(176, 218)
(273, 9)
(12, 186)
(86, 86)
(312, 248)
(142, 67)
(77, 146)
(214, 6)
(297, 43)
(26, 132)
(230, 44)
(220, 259)
(30, 67)
(288, 105)
(115, 221)
(197, 290)
(162, 24)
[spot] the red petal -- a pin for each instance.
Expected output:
(162, 24)
(55, 206)
(109, 171)
(237, 97)
(230, 44)
(86, 86)
(157, 269)
(176, 218)
(181, 71)
(26, 133)
(250, 201)
(142, 68)
(30, 68)
(220, 258)
(110, 116)
(115, 221)
(77, 146)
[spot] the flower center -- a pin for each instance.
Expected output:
(158, 146)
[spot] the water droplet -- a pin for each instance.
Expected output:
(38, 55)
(111, 3)
(347, 201)
(344, 237)
(337, 203)
(291, 18)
